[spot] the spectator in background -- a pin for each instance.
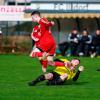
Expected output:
(96, 44)
(85, 43)
(73, 39)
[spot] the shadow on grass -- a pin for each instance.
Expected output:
(65, 84)
(76, 83)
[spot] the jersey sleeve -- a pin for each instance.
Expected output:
(45, 22)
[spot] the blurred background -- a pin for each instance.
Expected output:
(70, 16)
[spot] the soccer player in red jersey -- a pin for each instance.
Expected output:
(44, 41)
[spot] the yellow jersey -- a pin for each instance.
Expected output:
(63, 70)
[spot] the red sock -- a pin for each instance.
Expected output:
(37, 54)
(44, 63)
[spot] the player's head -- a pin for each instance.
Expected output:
(74, 31)
(35, 16)
(97, 32)
(85, 32)
(75, 62)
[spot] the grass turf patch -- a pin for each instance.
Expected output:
(17, 70)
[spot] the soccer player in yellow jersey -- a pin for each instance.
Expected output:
(64, 70)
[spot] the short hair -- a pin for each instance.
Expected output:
(76, 59)
(86, 30)
(35, 12)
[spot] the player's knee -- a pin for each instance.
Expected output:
(63, 77)
(49, 58)
(40, 58)
(49, 76)
(30, 55)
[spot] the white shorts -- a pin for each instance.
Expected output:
(36, 50)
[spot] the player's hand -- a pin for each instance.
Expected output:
(45, 55)
(75, 40)
(81, 68)
(52, 22)
(67, 64)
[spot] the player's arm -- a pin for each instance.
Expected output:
(58, 63)
(46, 22)
(34, 37)
(80, 69)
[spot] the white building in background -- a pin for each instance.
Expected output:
(2, 2)
(12, 13)
(14, 2)
(67, 13)
(13, 10)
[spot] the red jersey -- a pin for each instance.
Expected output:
(43, 36)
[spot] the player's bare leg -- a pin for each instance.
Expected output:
(34, 53)
(64, 76)
(44, 69)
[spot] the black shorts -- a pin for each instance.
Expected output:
(55, 75)
(56, 79)
(43, 51)
(40, 49)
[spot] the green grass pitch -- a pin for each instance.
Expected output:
(17, 70)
